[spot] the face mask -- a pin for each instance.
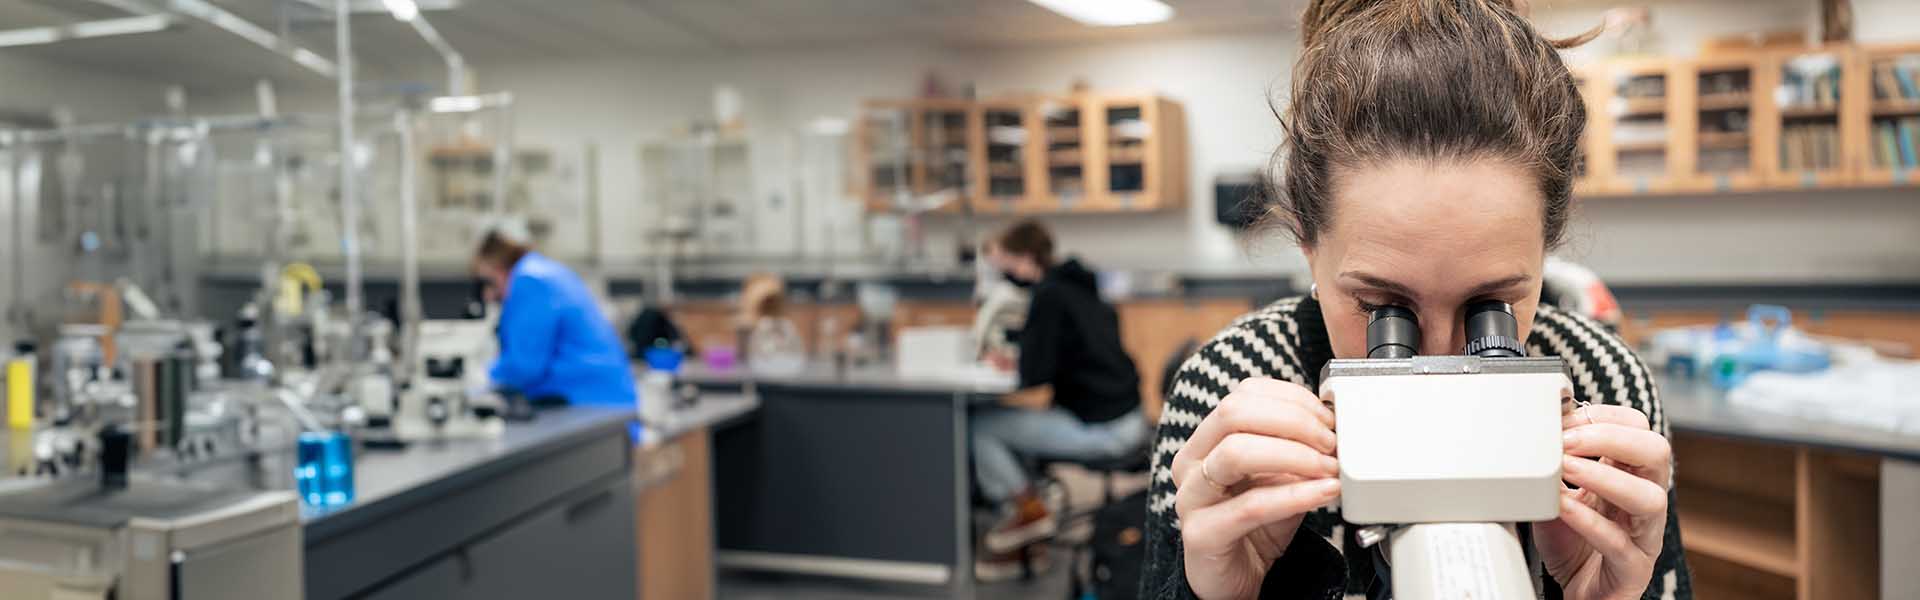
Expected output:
(1016, 281)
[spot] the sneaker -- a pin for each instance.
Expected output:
(1029, 522)
(994, 568)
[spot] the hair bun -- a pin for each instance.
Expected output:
(1325, 16)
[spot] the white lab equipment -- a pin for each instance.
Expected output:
(1441, 455)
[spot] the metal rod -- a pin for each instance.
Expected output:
(31, 36)
(456, 64)
(410, 312)
(349, 193)
(267, 317)
(260, 36)
(15, 309)
(502, 156)
(596, 251)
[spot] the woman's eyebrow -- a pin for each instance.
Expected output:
(1391, 286)
(1499, 284)
(1381, 283)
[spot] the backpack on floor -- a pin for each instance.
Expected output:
(1119, 547)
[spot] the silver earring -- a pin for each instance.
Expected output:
(1313, 289)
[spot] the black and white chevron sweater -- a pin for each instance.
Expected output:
(1287, 340)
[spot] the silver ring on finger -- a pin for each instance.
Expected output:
(1586, 409)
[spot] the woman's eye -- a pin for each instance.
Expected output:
(1367, 308)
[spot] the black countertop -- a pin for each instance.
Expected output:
(865, 378)
(387, 481)
(1696, 407)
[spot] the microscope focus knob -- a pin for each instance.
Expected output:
(1510, 346)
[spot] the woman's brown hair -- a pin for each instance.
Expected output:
(1462, 80)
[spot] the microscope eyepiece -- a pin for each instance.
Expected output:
(1392, 332)
(1492, 331)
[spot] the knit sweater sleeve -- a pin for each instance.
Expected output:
(1284, 341)
(1262, 344)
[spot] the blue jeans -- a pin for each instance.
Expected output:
(1002, 435)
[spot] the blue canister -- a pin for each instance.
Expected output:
(323, 474)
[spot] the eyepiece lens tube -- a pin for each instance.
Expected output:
(1492, 331)
(1392, 332)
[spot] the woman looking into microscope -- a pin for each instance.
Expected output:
(1428, 163)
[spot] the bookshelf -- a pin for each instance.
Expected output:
(1066, 122)
(1137, 152)
(1641, 125)
(1584, 184)
(1084, 152)
(916, 153)
(1890, 80)
(1811, 92)
(1726, 155)
(1775, 521)
(1735, 121)
(883, 156)
(1013, 134)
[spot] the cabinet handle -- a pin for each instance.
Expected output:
(585, 508)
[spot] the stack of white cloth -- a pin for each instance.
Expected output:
(1874, 393)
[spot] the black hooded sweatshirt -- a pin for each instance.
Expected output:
(1072, 341)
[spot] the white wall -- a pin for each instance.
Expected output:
(32, 87)
(1224, 82)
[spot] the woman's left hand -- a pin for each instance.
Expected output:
(1603, 545)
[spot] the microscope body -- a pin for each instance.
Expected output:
(1433, 439)
(1446, 453)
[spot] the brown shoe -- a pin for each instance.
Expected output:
(1028, 522)
(992, 568)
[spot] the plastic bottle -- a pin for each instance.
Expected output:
(20, 387)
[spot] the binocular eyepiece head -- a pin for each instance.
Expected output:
(1492, 332)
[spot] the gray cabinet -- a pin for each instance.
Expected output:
(581, 548)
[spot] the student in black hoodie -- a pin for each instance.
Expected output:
(1079, 395)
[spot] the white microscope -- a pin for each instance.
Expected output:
(1441, 456)
(445, 393)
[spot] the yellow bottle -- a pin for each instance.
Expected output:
(20, 393)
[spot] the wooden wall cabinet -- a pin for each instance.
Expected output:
(916, 153)
(1642, 128)
(1717, 143)
(1815, 104)
(1024, 155)
(1816, 118)
(1889, 84)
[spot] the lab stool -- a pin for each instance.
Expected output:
(1137, 462)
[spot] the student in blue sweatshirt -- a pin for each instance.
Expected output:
(554, 340)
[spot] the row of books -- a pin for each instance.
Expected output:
(1810, 147)
(1897, 79)
(1819, 89)
(1895, 143)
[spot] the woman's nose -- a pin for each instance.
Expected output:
(1441, 335)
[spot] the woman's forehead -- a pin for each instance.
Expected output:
(1424, 203)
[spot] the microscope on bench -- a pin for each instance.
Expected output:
(1441, 456)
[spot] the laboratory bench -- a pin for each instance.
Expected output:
(538, 510)
(1780, 506)
(550, 508)
(675, 504)
(859, 472)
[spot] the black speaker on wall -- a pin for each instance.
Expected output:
(1239, 198)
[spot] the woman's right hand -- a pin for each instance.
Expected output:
(1252, 469)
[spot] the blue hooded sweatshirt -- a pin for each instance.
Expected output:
(554, 341)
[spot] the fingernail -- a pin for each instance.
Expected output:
(1570, 438)
(1323, 487)
(1568, 463)
(1329, 466)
